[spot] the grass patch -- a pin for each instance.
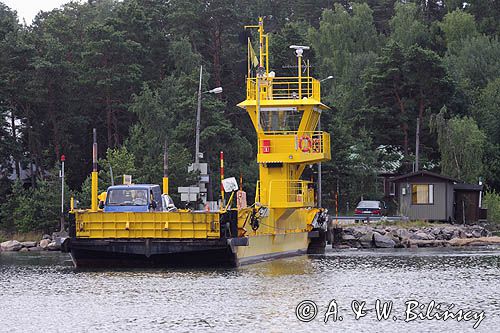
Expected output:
(400, 224)
(409, 224)
(21, 237)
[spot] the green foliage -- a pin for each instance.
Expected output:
(475, 64)
(120, 162)
(491, 200)
(461, 144)
(458, 26)
(405, 85)
(33, 209)
(487, 110)
(130, 69)
(406, 27)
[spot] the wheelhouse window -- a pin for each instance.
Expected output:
(422, 194)
(280, 118)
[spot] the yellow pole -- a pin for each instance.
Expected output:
(165, 167)
(165, 185)
(267, 53)
(222, 202)
(94, 203)
(248, 58)
(261, 41)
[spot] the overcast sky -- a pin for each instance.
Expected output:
(28, 9)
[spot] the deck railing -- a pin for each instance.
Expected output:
(293, 146)
(290, 193)
(284, 88)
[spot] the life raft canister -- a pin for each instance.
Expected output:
(308, 143)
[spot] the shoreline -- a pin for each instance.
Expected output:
(397, 236)
(47, 243)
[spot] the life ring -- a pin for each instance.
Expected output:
(305, 148)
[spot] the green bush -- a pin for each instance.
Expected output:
(491, 201)
(32, 209)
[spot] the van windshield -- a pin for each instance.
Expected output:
(127, 197)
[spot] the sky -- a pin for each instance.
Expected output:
(28, 9)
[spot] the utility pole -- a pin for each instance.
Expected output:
(198, 116)
(63, 158)
(417, 145)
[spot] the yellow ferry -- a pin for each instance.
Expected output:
(284, 219)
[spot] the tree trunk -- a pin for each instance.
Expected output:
(55, 125)
(14, 140)
(404, 125)
(109, 121)
(216, 36)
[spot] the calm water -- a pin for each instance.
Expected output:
(43, 292)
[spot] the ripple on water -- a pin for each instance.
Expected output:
(43, 290)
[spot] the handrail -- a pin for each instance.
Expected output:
(284, 88)
(290, 193)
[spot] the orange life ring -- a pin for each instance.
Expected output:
(305, 148)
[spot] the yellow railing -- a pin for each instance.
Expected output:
(284, 88)
(293, 147)
(290, 193)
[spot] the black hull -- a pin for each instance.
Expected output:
(151, 253)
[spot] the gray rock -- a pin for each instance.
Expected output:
(366, 240)
(383, 241)
(420, 235)
(24, 249)
(28, 244)
(35, 249)
(436, 231)
(341, 247)
(46, 237)
(403, 233)
(363, 231)
(11, 245)
(53, 246)
(348, 237)
(44, 243)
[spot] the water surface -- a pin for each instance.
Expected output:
(43, 292)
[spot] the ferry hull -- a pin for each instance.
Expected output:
(170, 253)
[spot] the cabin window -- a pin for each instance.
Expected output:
(280, 119)
(422, 194)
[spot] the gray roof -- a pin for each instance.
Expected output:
(424, 173)
(468, 187)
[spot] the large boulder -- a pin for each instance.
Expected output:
(403, 233)
(383, 241)
(28, 244)
(44, 243)
(53, 246)
(366, 240)
(35, 249)
(11, 245)
(350, 241)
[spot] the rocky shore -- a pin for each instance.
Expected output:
(412, 237)
(47, 243)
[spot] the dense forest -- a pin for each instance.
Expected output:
(130, 69)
